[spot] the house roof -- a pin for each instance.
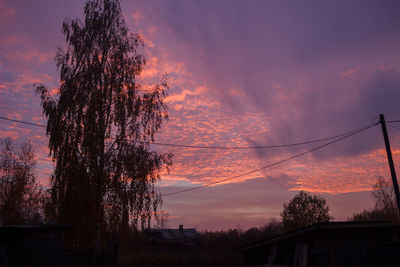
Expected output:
(316, 227)
(172, 234)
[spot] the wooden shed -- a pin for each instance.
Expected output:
(31, 245)
(329, 244)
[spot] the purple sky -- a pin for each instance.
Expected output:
(241, 73)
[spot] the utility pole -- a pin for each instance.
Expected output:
(390, 159)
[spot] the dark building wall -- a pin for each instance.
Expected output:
(42, 246)
(364, 246)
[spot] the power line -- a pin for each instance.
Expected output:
(257, 147)
(24, 122)
(339, 138)
(394, 127)
(216, 147)
(392, 121)
(275, 163)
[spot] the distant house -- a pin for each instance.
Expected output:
(173, 237)
(328, 244)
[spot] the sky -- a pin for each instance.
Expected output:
(241, 73)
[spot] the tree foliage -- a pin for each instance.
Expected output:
(20, 194)
(385, 204)
(303, 210)
(385, 199)
(101, 125)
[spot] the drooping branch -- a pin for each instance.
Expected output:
(99, 113)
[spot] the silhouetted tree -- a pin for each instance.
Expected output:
(385, 204)
(20, 195)
(304, 210)
(162, 220)
(271, 228)
(369, 215)
(385, 200)
(100, 128)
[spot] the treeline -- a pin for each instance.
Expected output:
(217, 247)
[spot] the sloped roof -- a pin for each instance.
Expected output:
(316, 227)
(172, 234)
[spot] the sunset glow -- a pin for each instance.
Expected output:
(241, 73)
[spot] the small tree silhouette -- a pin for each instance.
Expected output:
(303, 210)
(385, 204)
(20, 194)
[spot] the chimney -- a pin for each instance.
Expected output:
(181, 227)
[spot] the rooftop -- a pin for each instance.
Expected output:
(317, 227)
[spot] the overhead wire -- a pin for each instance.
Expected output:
(23, 122)
(275, 163)
(215, 147)
(257, 147)
(337, 139)
(394, 127)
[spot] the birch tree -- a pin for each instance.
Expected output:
(100, 127)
